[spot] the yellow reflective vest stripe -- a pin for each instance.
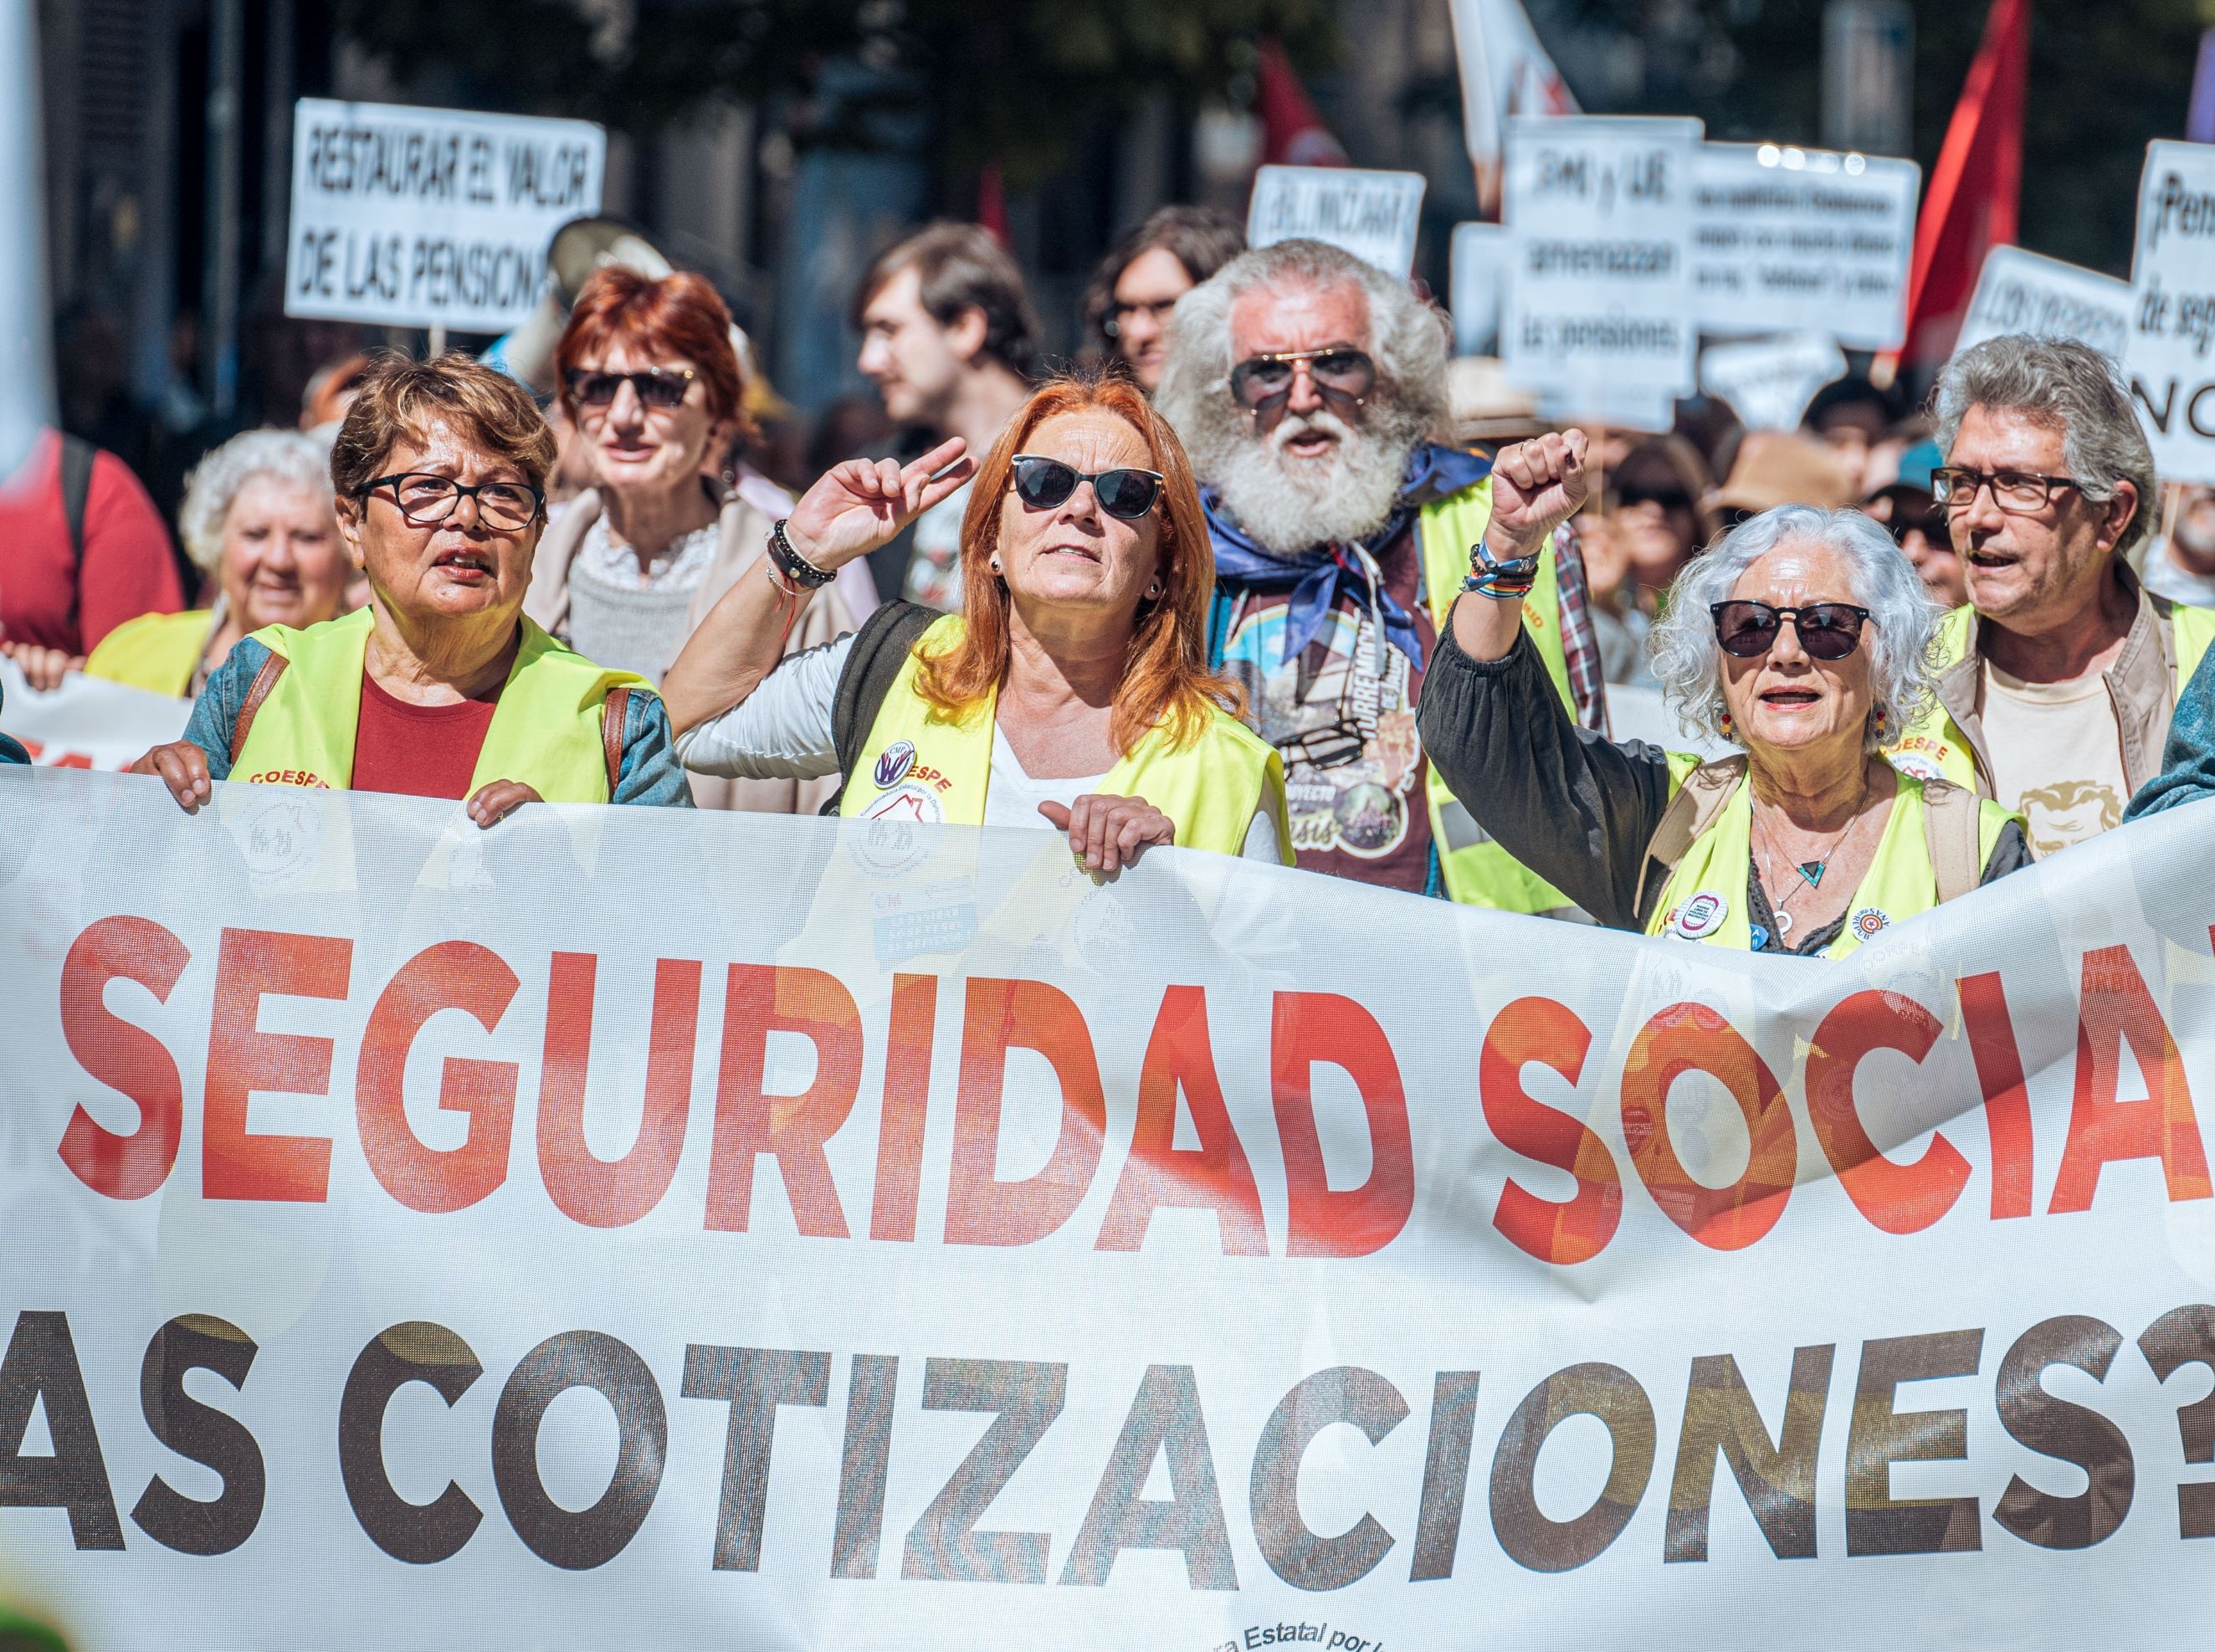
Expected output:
(1477, 871)
(1705, 898)
(920, 764)
(159, 653)
(1934, 744)
(546, 731)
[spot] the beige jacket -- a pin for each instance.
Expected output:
(2141, 684)
(743, 536)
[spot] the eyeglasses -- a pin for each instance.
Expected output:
(1125, 492)
(2016, 492)
(425, 499)
(1827, 630)
(1157, 311)
(659, 388)
(1262, 384)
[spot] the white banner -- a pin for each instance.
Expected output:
(2172, 332)
(1599, 299)
(1796, 240)
(88, 722)
(423, 217)
(1373, 215)
(2020, 291)
(750, 1231)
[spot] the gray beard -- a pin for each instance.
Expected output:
(1288, 505)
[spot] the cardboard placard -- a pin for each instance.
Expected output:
(2169, 351)
(2020, 291)
(1373, 215)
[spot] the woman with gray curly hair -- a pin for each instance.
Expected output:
(258, 517)
(1804, 636)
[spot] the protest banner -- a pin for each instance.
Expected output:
(2020, 291)
(1796, 240)
(2173, 310)
(87, 722)
(430, 218)
(738, 1230)
(1480, 270)
(1598, 301)
(1770, 382)
(1373, 215)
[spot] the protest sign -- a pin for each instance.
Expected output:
(2172, 330)
(1599, 300)
(1480, 270)
(430, 218)
(1804, 241)
(2020, 291)
(1770, 382)
(1373, 215)
(87, 722)
(885, 1236)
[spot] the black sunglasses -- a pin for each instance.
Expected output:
(662, 388)
(1828, 631)
(1125, 492)
(1262, 384)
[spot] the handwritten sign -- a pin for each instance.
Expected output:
(420, 217)
(1372, 215)
(2019, 292)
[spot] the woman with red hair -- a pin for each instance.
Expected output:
(1073, 690)
(650, 380)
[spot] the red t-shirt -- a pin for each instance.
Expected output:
(127, 569)
(419, 751)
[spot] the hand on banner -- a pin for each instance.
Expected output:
(498, 799)
(854, 507)
(1108, 833)
(1537, 486)
(42, 668)
(182, 767)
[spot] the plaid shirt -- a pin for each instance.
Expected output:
(1580, 642)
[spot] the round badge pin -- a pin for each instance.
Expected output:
(893, 763)
(1701, 916)
(1870, 921)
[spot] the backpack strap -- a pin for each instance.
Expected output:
(77, 457)
(264, 680)
(1691, 811)
(1950, 822)
(614, 714)
(880, 649)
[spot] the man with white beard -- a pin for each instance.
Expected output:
(1306, 385)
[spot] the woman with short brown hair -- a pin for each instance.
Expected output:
(1074, 685)
(440, 687)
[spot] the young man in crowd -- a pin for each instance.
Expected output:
(949, 340)
(2061, 673)
(1306, 385)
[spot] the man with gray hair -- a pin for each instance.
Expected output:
(2059, 679)
(1307, 386)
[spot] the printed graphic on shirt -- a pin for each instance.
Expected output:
(2069, 812)
(1352, 760)
(906, 802)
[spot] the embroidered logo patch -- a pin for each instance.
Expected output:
(1870, 920)
(893, 763)
(1700, 916)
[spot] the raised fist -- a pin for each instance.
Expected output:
(1537, 486)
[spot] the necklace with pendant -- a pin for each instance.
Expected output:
(1810, 873)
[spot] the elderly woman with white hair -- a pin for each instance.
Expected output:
(1804, 636)
(259, 519)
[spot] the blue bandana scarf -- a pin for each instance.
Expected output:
(1318, 578)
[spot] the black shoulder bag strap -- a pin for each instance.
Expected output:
(77, 455)
(880, 649)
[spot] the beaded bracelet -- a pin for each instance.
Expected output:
(1501, 581)
(796, 568)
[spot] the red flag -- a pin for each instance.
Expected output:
(1970, 207)
(1292, 133)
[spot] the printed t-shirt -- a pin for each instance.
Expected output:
(1365, 817)
(2057, 756)
(418, 751)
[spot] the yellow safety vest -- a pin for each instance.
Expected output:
(921, 764)
(1935, 744)
(1704, 899)
(546, 730)
(1477, 871)
(159, 653)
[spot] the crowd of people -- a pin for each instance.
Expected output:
(1264, 574)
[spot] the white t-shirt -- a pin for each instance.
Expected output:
(2057, 756)
(782, 731)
